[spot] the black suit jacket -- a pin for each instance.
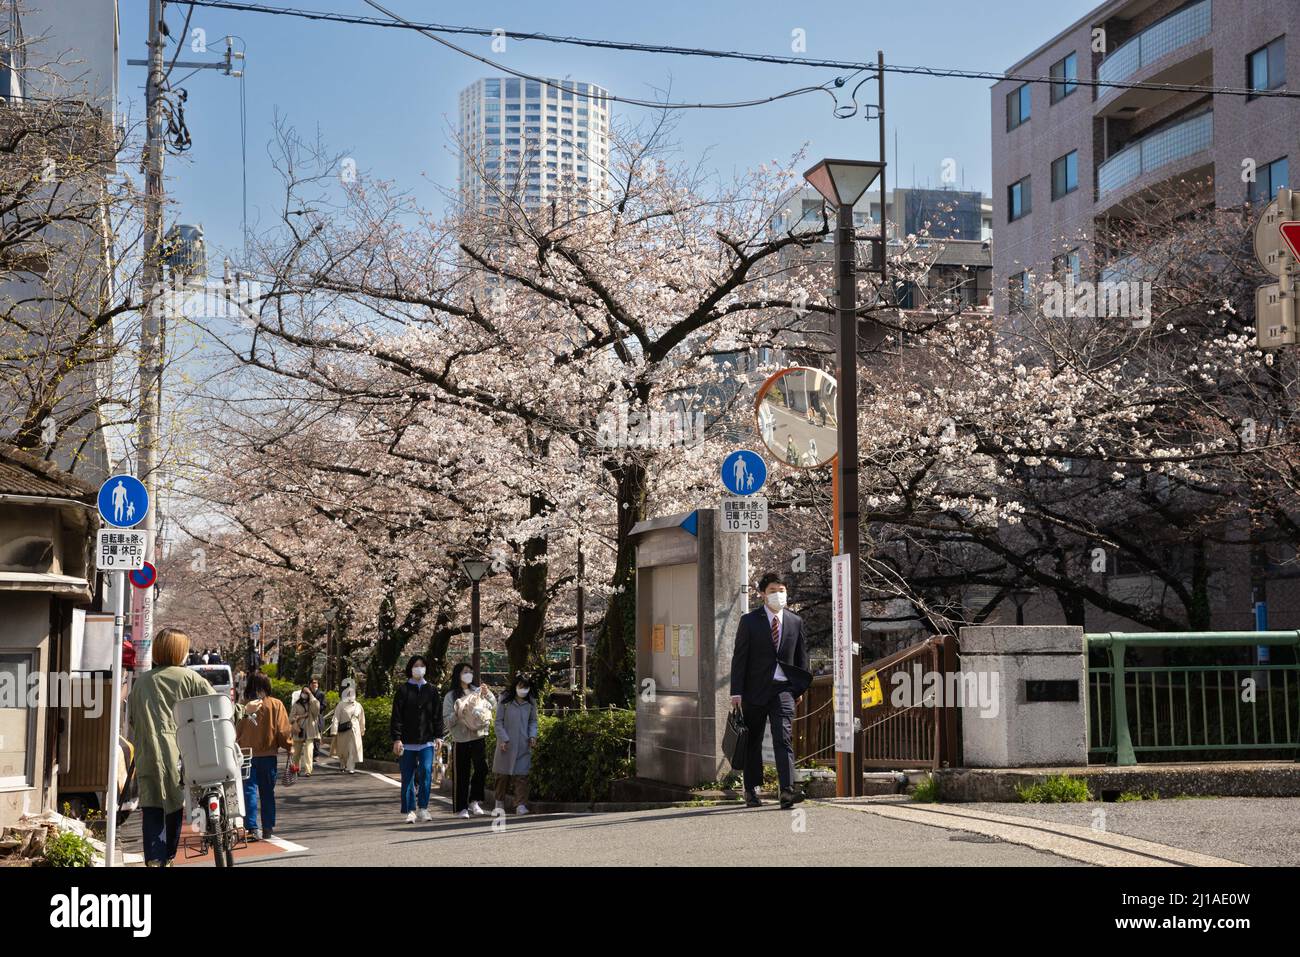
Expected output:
(753, 662)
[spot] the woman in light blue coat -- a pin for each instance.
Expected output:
(516, 728)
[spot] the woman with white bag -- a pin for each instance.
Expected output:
(467, 712)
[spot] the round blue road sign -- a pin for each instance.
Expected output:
(743, 472)
(144, 577)
(123, 501)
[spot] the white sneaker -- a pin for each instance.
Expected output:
(464, 813)
(425, 815)
(410, 817)
(476, 809)
(521, 810)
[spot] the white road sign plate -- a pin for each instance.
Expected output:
(1270, 330)
(120, 550)
(1269, 245)
(744, 514)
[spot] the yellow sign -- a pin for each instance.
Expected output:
(871, 693)
(658, 639)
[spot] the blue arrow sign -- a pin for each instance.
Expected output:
(123, 501)
(692, 523)
(743, 472)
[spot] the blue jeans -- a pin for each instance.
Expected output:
(410, 762)
(259, 789)
(162, 833)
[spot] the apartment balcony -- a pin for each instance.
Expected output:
(1179, 150)
(1173, 50)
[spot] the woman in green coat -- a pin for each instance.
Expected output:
(153, 732)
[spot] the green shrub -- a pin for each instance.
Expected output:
(580, 754)
(270, 671)
(377, 742)
(66, 849)
(927, 791)
(1061, 789)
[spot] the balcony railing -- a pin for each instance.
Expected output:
(1152, 152)
(1184, 27)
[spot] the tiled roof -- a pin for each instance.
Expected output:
(22, 473)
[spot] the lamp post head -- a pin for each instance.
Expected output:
(1021, 596)
(475, 568)
(842, 182)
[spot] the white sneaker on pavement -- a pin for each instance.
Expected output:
(464, 813)
(476, 809)
(521, 809)
(425, 815)
(410, 817)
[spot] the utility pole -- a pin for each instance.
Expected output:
(150, 340)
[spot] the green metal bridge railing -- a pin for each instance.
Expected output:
(1179, 708)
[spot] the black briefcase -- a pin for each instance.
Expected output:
(735, 740)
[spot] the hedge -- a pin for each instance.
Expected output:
(578, 754)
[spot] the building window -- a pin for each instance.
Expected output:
(1266, 67)
(512, 89)
(1018, 291)
(1065, 74)
(1018, 200)
(1065, 174)
(17, 722)
(1067, 264)
(1018, 106)
(1268, 178)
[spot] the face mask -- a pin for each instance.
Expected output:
(417, 672)
(522, 692)
(467, 677)
(776, 600)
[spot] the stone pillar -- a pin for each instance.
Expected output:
(1025, 696)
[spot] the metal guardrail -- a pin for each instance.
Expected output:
(914, 733)
(1189, 708)
(1163, 37)
(1152, 152)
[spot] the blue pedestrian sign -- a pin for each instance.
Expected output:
(123, 501)
(743, 472)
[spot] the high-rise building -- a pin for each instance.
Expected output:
(528, 143)
(1067, 156)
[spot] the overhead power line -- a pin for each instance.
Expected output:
(396, 22)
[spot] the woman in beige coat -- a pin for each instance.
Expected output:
(304, 720)
(347, 729)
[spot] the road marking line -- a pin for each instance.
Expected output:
(380, 777)
(289, 847)
(1102, 848)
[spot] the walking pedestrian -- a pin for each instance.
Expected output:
(264, 730)
(467, 717)
(416, 727)
(153, 733)
(347, 729)
(516, 728)
(304, 719)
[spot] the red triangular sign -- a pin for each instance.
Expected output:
(1291, 236)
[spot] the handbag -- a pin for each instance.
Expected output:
(345, 726)
(735, 740)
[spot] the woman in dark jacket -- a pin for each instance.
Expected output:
(417, 734)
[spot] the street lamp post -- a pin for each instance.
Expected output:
(842, 183)
(330, 615)
(475, 569)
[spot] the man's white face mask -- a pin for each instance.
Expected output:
(776, 600)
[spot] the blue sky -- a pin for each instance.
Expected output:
(389, 97)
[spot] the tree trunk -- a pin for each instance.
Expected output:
(614, 678)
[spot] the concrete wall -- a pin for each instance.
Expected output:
(1020, 732)
(26, 627)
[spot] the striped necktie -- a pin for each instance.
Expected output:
(776, 633)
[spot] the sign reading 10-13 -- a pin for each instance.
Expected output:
(123, 503)
(743, 473)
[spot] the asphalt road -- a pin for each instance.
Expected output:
(356, 821)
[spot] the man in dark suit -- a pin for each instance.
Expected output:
(769, 670)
